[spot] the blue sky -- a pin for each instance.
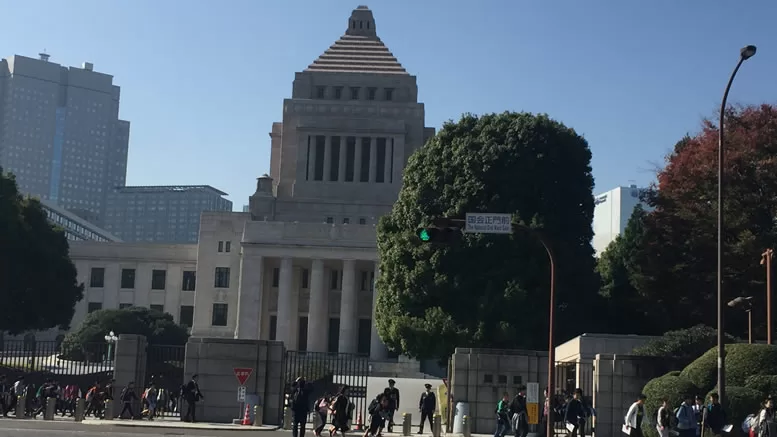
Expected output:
(202, 81)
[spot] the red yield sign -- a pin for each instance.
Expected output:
(242, 374)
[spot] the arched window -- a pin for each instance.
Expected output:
(368, 25)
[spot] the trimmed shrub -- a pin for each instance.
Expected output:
(764, 384)
(742, 361)
(738, 404)
(683, 345)
(674, 373)
(673, 387)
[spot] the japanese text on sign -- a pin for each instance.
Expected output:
(532, 393)
(489, 223)
(242, 374)
(241, 393)
(533, 413)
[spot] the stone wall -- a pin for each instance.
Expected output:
(480, 376)
(129, 366)
(214, 360)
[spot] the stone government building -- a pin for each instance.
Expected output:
(300, 265)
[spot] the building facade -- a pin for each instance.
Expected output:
(161, 214)
(612, 211)
(60, 133)
(75, 227)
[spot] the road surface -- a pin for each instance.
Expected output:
(39, 428)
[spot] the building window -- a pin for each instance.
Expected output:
(273, 328)
(221, 246)
(366, 145)
(220, 311)
(389, 94)
(160, 308)
(189, 280)
(346, 221)
(334, 279)
(222, 277)
(371, 93)
(186, 316)
(320, 92)
(354, 93)
(338, 92)
(127, 278)
(330, 220)
(276, 276)
(320, 150)
(94, 306)
(334, 336)
(123, 306)
(365, 280)
(363, 336)
(302, 334)
(227, 246)
(362, 221)
(97, 277)
(158, 279)
(304, 279)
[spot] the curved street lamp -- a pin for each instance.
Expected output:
(111, 339)
(745, 53)
(745, 303)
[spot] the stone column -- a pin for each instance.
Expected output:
(249, 297)
(318, 309)
(357, 160)
(378, 350)
(348, 303)
(373, 158)
(312, 160)
(343, 152)
(285, 302)
(327, 158)
(387, 163)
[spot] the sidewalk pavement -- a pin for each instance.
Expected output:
(178, 424)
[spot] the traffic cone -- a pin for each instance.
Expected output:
(359, 422)
(247, 416)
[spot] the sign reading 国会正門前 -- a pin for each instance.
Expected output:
(489, 223)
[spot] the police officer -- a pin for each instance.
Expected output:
(393, 403)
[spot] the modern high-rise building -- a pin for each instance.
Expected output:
(60, 133)
(161, 214)
(612, 211)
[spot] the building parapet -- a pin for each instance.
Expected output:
(140, 252)
(310, 234)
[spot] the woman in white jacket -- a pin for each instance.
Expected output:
(634, 417)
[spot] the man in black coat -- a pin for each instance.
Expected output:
(192, 395)
(393, 403)
(299, 402)
(426, 406)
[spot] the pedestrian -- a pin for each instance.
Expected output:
(127, 397)
(635, 416)
(4, 390)
(714, 418)
(576, 414)
(393, 403)
(427, 405)
(192, 395)
(340, 412)
(698, 410)
(17, 390)
(379, 414)
(152, 395)
(518, 413)
(502, 416)
(299, 403)
(322, 409)
(663, 418)
(686, 418)
(764, 423)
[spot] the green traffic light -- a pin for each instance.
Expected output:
(423, 234)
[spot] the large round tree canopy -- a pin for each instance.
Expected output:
(489, 290)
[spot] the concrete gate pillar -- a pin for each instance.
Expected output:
(129, 365)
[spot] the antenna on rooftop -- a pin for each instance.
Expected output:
(44, 56)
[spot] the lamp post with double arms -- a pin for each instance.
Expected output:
(744, 54)
(745, 303)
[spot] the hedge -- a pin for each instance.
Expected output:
(765, 384)
(683, 345)
(671, 386)
(742, 361)
(739, 403)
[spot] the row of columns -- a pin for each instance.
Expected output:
(249, 307)
(357, 160)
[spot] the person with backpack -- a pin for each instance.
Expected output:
(379, 411)
(576, 414)
(322, 409)
(151, 396)
(299, 403)
(127, 397)
(686, 418)
(764, 422)
(663, 418)
(519, 413)
(502, 416)
(341, 412)
(191, 393)
(426, 406)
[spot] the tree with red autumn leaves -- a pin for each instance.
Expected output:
(670, 265)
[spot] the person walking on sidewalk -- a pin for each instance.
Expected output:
(127, 397)
(393, 403)
(340, 408)
(192, 395)
(518, 413)
(502, 416)
(299, 403)
(635, 416)
(426, 406)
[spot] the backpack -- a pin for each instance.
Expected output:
(296, 398)
(373, 408)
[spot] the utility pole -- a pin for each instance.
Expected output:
(766, 260)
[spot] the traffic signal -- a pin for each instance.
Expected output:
(439, 235)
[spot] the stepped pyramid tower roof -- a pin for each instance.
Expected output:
(359, 50)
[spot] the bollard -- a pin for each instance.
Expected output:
(108, 413)
(80, 410)
(465, 427)
(258, 415)
(437, 425)
(287, 418)
(21, 402)
(407, 423)
(51, 408)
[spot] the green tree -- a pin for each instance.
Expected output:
(39, 287)
(158, 328)
(683, 345)
(489, 290)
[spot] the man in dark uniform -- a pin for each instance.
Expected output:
(393, 403)
(426, 406)
(192, 395)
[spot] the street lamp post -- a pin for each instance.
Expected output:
(744, 54)
(111, 338)
(745, 303)
(766, 260)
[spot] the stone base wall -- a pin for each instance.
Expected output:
(214, 360)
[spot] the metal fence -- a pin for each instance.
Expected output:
(570, 376)
(164, 367)
(327, 372)
(67, 364)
